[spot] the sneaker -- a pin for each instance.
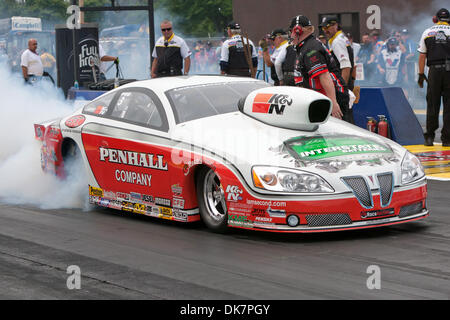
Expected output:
(429, 142)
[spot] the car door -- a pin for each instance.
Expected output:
(126, 148)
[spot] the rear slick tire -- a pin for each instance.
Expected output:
(211, 200)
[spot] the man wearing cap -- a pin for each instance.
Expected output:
(391, 63)
(317, 69)
(341, 48)
(169, 53)
(434, 48)
(238, 55)
(280, 41)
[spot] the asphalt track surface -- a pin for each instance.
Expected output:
(126, 256)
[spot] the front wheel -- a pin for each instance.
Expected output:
(211, 200)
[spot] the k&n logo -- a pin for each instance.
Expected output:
(268, 103)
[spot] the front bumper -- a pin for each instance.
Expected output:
(330, 214)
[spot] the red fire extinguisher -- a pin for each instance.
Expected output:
(371, 124)
(383, 128)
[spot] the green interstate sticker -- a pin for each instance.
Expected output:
(319, 147)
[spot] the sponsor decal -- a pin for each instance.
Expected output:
(104, 202)
(135, 196)
(177, 190)
(39, 132)
(93, 191)
(147, 198)
(137, 159)
(142, 179)
(319, 147)
(54, 132)
(127, 206)
(266, 203)
(268, 103)
(139, 208)
(179, 215)
(75, 121)
(238, 220)
(162, 202)
(377, 213)
(234, 193)
(152, 211)
(258, 212)
(123, 196)
(115, 204)
(240, 208)
(109, 194)
(263, 219)
(178, 203)
(276, 213)
(165, 213)
(314, 59)
(94, 199)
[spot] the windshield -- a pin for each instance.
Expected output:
(195, 102)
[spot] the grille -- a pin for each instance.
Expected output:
(360, 189)
(385, 181)
(332, 219)
(410, 209)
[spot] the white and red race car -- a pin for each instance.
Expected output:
(235, 152)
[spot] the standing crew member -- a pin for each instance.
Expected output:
(31, 61)
(233, 58)
(169, 53)
(341, 48)
(287, 59)
(103, 59)
(316, 68)
(280, 40)
(391, 64)
(434, 48)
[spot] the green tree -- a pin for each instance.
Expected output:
(198, 17)
(9, 8)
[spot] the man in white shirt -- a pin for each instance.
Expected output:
(31, 61)
(170, 53)
(340, 48)
(280, 41)
(103, 59)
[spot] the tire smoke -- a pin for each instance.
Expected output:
(22, 180)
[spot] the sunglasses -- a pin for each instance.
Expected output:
(167, 29)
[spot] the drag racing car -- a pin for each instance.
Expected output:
(234, 152)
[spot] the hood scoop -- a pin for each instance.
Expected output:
(287, 107)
